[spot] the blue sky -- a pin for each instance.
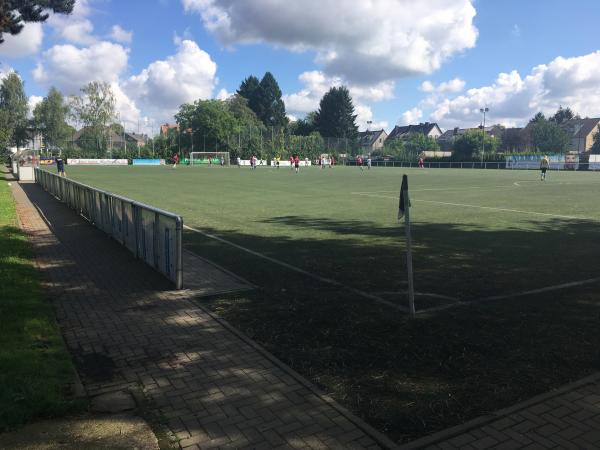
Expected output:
(432, 60)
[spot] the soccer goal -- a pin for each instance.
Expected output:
(209, 158)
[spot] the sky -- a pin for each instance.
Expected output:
(404, 61)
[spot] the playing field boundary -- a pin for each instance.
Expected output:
(556, 287)
(490, 208)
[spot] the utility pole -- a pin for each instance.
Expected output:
(483, 110)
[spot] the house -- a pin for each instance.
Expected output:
(113, 140)
(164, 128)
(427, 128)
(581, 132)
(447, 139)
(370, 141)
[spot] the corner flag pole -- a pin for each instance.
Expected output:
(404, 210)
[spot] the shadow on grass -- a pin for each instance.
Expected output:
(406, 377)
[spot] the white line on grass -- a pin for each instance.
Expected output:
(556, 287)
(299, 270)
(519, 211)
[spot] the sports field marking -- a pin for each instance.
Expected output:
(299, 270)
(556, 287)
(491, 208)
(436, 189)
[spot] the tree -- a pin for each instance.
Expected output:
(549, 137)
(417, 143)
(14, 13)
(469, 145)
(304, 127)
(14, 102)
(50, 118)
(562, 115)
(537, 118)
(95, 109)
(238, 106)
(596, 146)
(335, 117)
(249, 90)
(270, 108)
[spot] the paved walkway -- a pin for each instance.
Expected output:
(127, 328)
(567, 418)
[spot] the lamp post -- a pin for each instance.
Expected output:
(483, 111)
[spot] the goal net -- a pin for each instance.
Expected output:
(209, 158)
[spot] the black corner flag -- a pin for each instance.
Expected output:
(403, 189)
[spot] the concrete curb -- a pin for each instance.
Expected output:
(484, 420)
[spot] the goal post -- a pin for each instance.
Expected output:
(209, 158)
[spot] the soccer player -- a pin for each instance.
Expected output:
(60, 166)
(421, 162)
(369, 162)
(292, 162)
(222, 161)
(331, 161)
(239, 162)
(297, 163)
(277, 162)
(359, 162)
(175, 159)
(544, 166)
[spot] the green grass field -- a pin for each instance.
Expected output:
(476, 233)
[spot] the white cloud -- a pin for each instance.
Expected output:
(26, 43)
(69, 68)
(223, 94)
(513, 99)
(316, 84)
(411, 116)
(75, 27)
(454, 85)
(515, 31)
(121, 35)
(32, 102)
(186, 76)
(364, 42)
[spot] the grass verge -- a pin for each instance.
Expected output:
(35, 367)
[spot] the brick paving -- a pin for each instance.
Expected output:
(126, 328)
(567, 418)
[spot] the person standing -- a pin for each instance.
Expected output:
(369, 162)
(359, 162)
(421, 162)
(222, 160)
(292, 162)
(60, 166)
(297, 163)
(175, 159)
(544, 166)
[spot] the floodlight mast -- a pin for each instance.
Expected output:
(483, 110)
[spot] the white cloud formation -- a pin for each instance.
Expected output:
(69, 68)
(316, 84)
(451, 86)
(412, 116)
(188, 75)
(513, 99)
(32, 102)
(26, 43)
(75, 27)
(365, 42)
(121, 35)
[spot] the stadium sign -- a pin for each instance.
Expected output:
(97, 162)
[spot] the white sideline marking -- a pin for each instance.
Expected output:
(556, 287)
(299, 270)
(489, 208)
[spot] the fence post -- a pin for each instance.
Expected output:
(179, 249)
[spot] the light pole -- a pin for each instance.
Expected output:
(483, 111)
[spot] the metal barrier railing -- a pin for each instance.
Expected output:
(151, 234)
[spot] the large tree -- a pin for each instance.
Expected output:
(304, 127)
(269, 104)
(14, 102)
(50, 118)
(95, 109)
(15, 13)
(249, 90)
(562, 115)
(335, 117)
(471, 144)
(549, 137)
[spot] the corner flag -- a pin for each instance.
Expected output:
(403, 190)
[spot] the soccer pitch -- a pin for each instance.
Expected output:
(327, 255)
(477, 233)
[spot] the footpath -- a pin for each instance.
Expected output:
(128, 330)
